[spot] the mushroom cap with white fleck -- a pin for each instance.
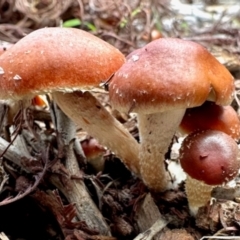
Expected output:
(167, 74)
(56, 59)
(210, 156)
(212, 116)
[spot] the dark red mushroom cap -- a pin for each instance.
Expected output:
(212, 116)
(210, 156)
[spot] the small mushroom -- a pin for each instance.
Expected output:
(209, 158)
(211, 116)
(94, 153)
(159, 82)
(64, 61)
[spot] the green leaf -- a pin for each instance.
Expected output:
(135, 12)
(90, 26)
(72, 23)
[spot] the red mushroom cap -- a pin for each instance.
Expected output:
(210, 156)
(92, 148)
(211, 116)
(56, 59)
(168, 74)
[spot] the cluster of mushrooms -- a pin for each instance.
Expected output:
(158, 82)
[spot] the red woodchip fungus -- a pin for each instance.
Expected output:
(158, 82)
(209, 158)
(63, 61)
(211, 116)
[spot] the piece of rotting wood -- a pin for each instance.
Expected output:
(74, 188)
(149, 220)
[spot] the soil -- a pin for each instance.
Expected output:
(35, 204)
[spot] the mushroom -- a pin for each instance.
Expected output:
(158, 82)
(209, 158)
(94, 153)
(211, 116)
(63, 61)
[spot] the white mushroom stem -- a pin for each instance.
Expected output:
(198, 194)
(88, 113)
(156, 132)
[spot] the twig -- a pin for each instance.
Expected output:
(3, 236)
(152, 231)
(74, 188)
(12, 153)
(38, 177)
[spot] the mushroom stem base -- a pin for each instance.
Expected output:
(198, 194)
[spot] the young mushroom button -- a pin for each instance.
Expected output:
(158, 82)
(209, 158)
(63, 61)
(212, 116)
